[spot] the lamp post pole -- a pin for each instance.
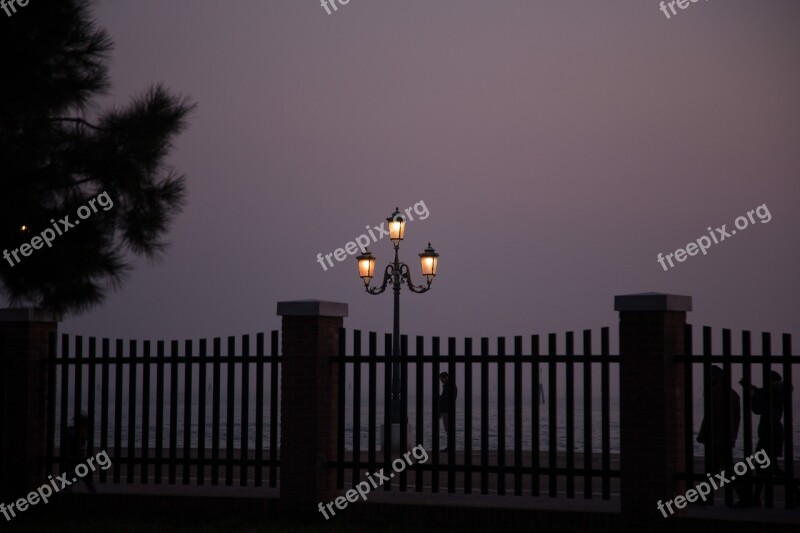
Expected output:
(397, 273)
(396, 409)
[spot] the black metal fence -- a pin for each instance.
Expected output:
(525, 422)
(161, 416)
(505, 439)
(778, 415)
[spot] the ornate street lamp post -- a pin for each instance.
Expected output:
(397, 273)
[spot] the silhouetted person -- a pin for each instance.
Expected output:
(724, 426)
(447, 404)
(771, 410)
(75, 449)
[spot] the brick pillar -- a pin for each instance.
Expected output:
(651, 334)
(24, 342)
(309, 393)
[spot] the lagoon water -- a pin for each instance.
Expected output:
(543, 434)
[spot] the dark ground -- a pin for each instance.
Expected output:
(140, 524)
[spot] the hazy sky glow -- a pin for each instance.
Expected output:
(559, 145)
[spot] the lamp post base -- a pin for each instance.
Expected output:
(396, 437)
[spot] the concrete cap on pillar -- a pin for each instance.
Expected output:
(27, 314)
(652, 301)
(312, 308)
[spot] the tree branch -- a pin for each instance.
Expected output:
(67, 185)
(76, 120)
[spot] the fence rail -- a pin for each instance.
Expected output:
(149, 409)
(494, 464)
(187, 413)
(778, 434)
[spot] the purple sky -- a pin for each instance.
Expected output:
(559, 146)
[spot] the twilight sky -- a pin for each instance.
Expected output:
(558, 146)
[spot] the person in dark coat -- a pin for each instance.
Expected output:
(770, 407)
(447, 404)
(75, 448)
(724, 435)
(721, 433)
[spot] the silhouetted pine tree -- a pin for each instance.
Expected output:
(58, 149)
